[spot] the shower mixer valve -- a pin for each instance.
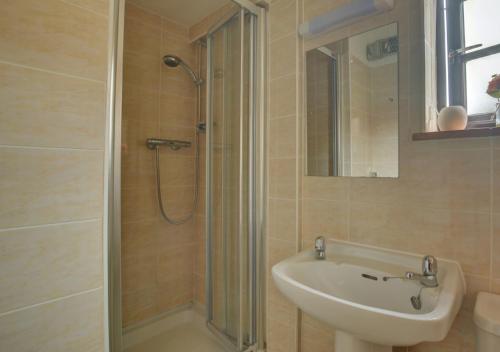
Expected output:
(153, 143)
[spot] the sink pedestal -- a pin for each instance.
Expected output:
(347, 343)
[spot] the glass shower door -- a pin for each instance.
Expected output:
(230, 182)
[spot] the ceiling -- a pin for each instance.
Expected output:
(185, 12)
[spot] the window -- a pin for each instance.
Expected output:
(468, 53)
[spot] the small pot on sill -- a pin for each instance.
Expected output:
(452, 118)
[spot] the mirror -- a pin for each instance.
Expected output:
(352, 106)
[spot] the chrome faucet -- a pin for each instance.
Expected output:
(428, 278)
(320, 247)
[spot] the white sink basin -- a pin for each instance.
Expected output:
(371, 314)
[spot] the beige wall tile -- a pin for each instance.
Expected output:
(496, 180)
(142, 15)
(142, 70)
(316, 336)
(496, 246)
(56, 36)
(139, 239)
(496, 142)
(158, 102)
(139, 272)
(450, 179)
(199, 289)
(178, 171)
(53, 96)
(172, 27)
(140, 104)
(282, 18)
(281, 314)
(281, 336)
(100, 6)
(283, 178)
(170, 236)
(282, 219)
(278, 250)
(135, 132)
(380, 225)
(284, 169)
(51, 261)
(495, 286)
(137, 306)
(70, 324)
(327, 188)
(282, 138)
(139, 204)
(177, 87)
(141, 38)
(283, 56)
(177, 111)
(174, 293)
(43, 186)
(461, 236)
(324, 218)
(50, 110)
(137, 168)
(283, 98)
(179, 258)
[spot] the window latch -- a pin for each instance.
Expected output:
(454, 53)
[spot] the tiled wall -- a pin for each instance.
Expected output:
(284, 164)
(53, 70)
(446, 201)
(161, 262)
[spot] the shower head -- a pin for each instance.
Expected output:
(174, 61)
(171, 60)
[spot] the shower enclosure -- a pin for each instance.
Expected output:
(234, 163)
(234, 181)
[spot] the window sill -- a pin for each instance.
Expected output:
(472, 133)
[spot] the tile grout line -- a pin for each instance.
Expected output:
(68, 222)
(8, 146)
(106, 16)
(283, 36)
(280, 117)
(34, 68)
(285, 75)
(50, 301)
(149, 12)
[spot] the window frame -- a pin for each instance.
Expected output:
(452, 58)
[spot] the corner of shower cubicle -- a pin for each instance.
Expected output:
(254, 338)
(112, 223)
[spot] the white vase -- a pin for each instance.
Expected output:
(452, 118)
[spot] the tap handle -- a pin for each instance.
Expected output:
(320, 243)
(429, 265)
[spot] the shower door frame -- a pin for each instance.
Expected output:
(257, 181)
(112, 318)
